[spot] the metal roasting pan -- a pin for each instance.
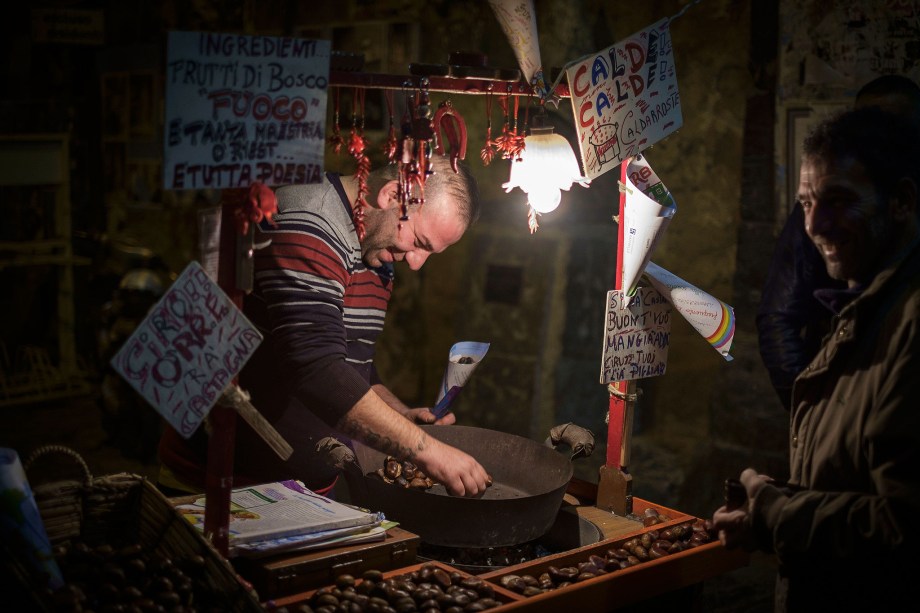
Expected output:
(529, 480)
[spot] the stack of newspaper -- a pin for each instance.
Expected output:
(286, 516)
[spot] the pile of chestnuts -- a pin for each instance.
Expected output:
(404, 473)
(430, 588)
(127, 577)
(407, 474)
(650, 545)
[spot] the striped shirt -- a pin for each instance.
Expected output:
(321, 310)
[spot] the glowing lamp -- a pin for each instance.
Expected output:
(545, 166)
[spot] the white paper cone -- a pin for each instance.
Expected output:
(648, 209)
(21, 524)
(712, 318)
(457, 374)
(519, 23)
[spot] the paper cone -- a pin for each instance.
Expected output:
(648, 209)
(519, 23)
(21, 524)
(709, 316)
(462, 360)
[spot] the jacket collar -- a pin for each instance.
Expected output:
(838, 300)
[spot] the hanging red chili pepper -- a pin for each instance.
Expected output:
(357, 147)
(532, 224)
(252, 205)
(510, 143)
(415, 151)
(335, 140)
(391, 146)
(488, 152)
(501, 141)
(516, 145)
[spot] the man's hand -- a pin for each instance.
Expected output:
(422, 415)
(425, 416)
(734, 525)
(378, 424)
(458, 471)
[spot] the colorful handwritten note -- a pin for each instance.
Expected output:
(625, 98)
(637, 333)
(241, 109)
(190, 346)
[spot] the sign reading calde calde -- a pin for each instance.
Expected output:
(624, 98)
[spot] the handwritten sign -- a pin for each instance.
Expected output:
(625, 98)
(637, 333)
(187, 350)
(241, 109)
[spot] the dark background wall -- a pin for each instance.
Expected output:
(743, 69)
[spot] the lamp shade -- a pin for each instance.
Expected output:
(545, 166)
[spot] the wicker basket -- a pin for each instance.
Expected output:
(126, 508)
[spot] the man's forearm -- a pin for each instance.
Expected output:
(390, 398)
(374, 422)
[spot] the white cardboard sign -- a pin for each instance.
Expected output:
(188, 349)
(625, 98)
(241, 109)
(637, 333)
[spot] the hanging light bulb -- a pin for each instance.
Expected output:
(545, 166)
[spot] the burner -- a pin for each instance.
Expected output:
(477, 560)
(569, 531)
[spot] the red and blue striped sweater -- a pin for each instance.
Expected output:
(321, 310)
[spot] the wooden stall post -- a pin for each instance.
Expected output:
(219, 479)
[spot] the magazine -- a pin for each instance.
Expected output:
(278, 510)
(339, 537)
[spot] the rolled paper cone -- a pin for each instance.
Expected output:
(462, 360)
(20, 521)
(648, 209)
(713, 319)
(519, 23)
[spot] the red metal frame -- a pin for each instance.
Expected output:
(437, 83)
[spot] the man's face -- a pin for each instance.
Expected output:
(844, 218)
(431, 228)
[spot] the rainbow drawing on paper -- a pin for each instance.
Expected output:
(725, 331)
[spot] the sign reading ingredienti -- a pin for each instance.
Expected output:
(241, 109)
(187, 350)
(624, 98)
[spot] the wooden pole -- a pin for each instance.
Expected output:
(222, 418)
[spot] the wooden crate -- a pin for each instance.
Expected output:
(500, 594)
(668, 574)
(676, 576)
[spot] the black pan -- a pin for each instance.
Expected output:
(529, 480)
